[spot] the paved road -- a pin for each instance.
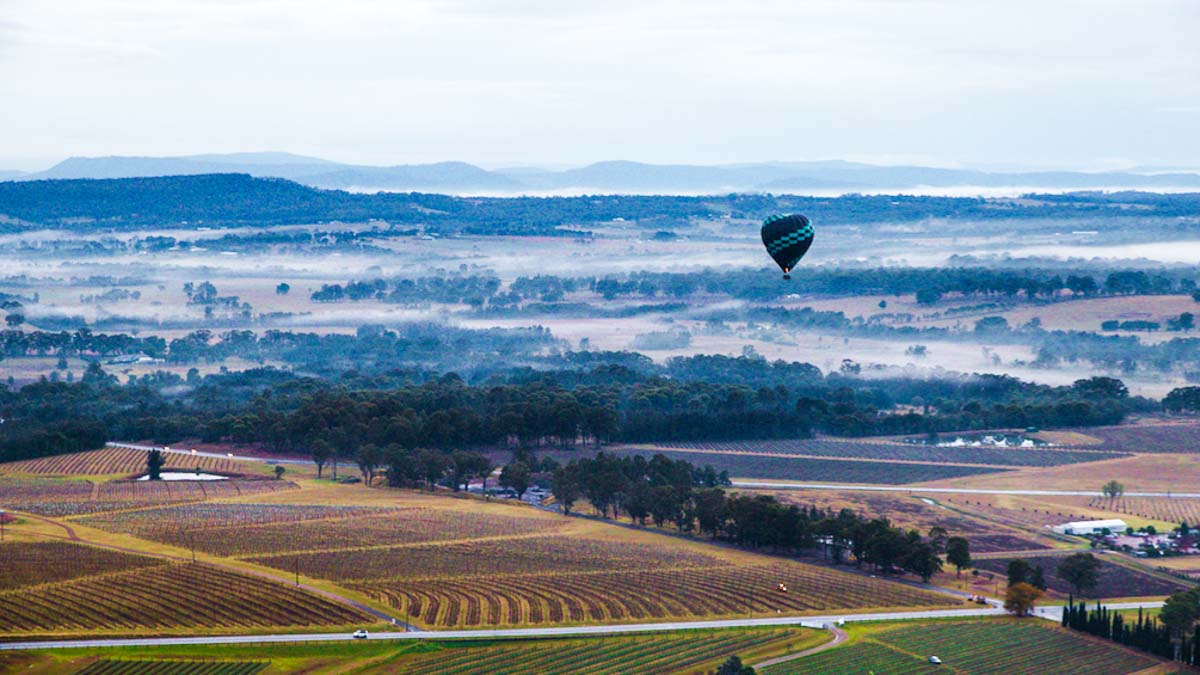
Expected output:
(926, 490)
(551, 631)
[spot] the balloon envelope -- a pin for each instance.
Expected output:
(787, 238)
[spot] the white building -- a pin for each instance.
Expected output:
(1081, 527)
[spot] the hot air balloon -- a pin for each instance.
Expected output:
(787, 239)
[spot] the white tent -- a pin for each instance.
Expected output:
(1091, 526)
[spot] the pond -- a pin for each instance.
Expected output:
(186, 475)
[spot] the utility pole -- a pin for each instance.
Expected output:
(297, 570)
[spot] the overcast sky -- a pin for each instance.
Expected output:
(1089, 84)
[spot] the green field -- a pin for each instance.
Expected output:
(681, 652)
(173, 667)
(993, 647)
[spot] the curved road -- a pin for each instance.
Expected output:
(839, 636)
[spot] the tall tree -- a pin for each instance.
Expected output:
(1180, 612)
(154, 464)
(567, 488)
(958, 553)
(320, 453)
(1113, 489)
(1019, 571)
(517, 477)
(1020, 599)
(1037, 578)
(465, 465)
(922, 560)
(1081, 570)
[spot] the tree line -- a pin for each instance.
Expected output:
(1168, 639)
(238, 199)
(419, 409)
(692, 499)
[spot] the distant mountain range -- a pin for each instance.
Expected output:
(605, 177)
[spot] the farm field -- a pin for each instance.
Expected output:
(910, 512)
(899, 451)
(32, 563)
(61, 497)
(988, 647)
(991, 647)
(1163, 509)
(672, 653)
(123, 461)
(152, 521)
(1160, 472)
(1181, 436)
(1116, 581)
(822, 470)
(698, 651)
(172, 596)
(640, 595)
(240, 530)
(442, 560)
(1032, 513)
(574, 576)
(860, 657)
(147, 667)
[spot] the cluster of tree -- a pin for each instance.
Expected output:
(691, 499)
(1117, 353)
(1182, 399)
(1146, 634)
(407, 467)
(264, 241)
(205, 295)
(929, 285)
(373, 349)
(734, 666)
(1185, 322)
(1080, 570)
(26, 439)
(471, 290)
(660, 489)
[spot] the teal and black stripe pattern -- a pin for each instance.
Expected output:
(787, 239)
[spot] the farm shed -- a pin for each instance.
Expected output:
(1091, 526)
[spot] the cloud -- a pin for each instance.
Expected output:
(572, 81)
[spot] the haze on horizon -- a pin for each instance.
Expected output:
(1096, 85)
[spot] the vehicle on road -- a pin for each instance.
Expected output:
(359, 634)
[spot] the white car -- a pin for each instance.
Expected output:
(934, 659)
(359, 634)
